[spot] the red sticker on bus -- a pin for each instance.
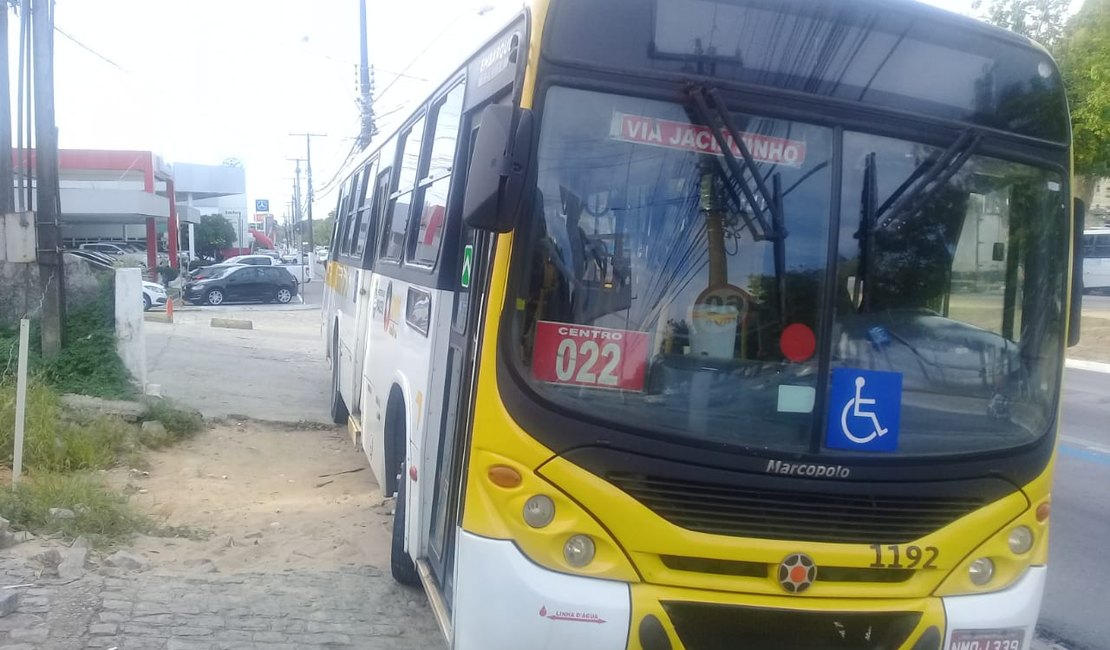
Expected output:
(598, 357)
(669, 134)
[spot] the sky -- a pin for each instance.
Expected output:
(201, 81)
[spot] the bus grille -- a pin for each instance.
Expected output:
(797, 516)
(705, 626)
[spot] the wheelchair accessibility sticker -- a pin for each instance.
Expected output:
(864, 410)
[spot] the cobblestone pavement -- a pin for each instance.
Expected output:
(357, 608)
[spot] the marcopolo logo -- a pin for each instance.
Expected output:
(807, 469)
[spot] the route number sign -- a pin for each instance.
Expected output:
(596, 357)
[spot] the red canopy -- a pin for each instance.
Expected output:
(262, 239)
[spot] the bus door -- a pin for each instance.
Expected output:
(474, 254)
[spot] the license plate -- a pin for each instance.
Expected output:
(987, 639)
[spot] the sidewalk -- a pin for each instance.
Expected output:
(293, 610)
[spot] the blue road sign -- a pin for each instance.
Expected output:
(865, 408)
(261, 205)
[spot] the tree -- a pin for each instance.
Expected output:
(1041, 20)
(213, 234)
(1084, 57)
(1081, 47)
(321, 230)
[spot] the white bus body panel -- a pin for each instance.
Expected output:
(401, 354)
(1017, 606)
(503, 601)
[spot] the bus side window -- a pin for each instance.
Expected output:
(340, 222)
(348, 215)
(334, 231)
(361, 229)
(432, 205)
(1101, 247)
(394, 237)
(377, 214)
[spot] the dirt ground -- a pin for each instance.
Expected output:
(1094, 340)
(258, 497)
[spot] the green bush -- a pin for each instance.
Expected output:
(168, 274)
(100, 514)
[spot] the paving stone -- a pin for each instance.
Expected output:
(290, 610)
(185, 630)
(103, 629)
(29, 635)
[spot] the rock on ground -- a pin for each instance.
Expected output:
(126, 561)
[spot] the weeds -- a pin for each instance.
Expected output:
(99, 514)
(179, 423)
(88, 363)
(54, 443)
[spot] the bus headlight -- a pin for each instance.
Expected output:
(981, 571)
(539, 511)
(1020, 540)
(579, 550)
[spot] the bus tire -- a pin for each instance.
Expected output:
(400, 564)
(339, 413)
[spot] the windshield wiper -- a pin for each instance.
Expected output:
(767, 210)
(767, 221)
(927, 180)
(917, 191)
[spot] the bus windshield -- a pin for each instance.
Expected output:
(651, 298)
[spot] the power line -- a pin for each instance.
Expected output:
(91, 50)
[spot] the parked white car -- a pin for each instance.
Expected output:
(154, 295)
(1096, 260)
(298, 271)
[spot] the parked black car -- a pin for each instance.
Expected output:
(242, 283)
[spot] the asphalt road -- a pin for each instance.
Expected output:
(1076, 607)
(274, 371)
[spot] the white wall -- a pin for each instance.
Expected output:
(130, 341)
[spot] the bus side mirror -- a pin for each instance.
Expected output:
(498, 169)
(1079, 215)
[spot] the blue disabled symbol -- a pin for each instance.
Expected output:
(864, 410)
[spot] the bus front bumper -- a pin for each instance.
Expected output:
(504, 601)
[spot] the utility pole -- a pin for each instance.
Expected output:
(297, 197)
(50, 256)
(7, 180)
(308, 180)
(366, 99)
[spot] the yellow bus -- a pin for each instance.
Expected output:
(705, 324)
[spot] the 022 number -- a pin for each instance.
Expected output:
(568, 368)
(904, 557)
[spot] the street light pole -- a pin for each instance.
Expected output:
(308, 174)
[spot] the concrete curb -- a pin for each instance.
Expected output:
(1092, 366)
(157, 317)
(232, 323)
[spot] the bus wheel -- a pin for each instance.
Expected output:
(400, 564)
(339, 412)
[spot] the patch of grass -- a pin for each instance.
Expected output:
(99, 514)
(179, 423)
(55, 443)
